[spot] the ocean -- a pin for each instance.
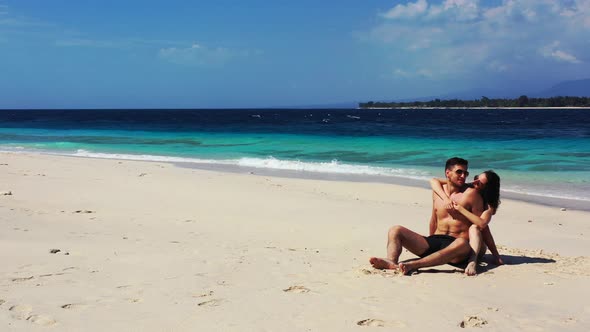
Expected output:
(542, 155)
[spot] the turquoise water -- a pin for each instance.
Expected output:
(541, 154)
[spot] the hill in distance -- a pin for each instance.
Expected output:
(577, 88)
(574, 88)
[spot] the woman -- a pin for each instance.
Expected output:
(487, 184)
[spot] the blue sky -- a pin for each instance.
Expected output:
(255, 53)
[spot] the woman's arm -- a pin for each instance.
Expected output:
(437, 187)
(488, 239)
(481, 222)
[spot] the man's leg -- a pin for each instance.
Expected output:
(399, 237)
(476, 243)
(456, 252)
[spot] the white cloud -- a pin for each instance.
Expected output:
(418, 73)
(177, 52)
(198, 55)
(459, 38)
(552, 51)
(579, 13)
(561, 55)
(460, 10)
(406, 11)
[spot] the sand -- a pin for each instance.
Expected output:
(95, 245)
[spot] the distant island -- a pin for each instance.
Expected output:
(522, 101)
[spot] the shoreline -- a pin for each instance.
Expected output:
(556, 202)
(285, 108)
(475, 108)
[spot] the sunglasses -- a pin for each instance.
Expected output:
(461, 172)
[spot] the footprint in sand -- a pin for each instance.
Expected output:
(42, 320)
(371, 322)
(84, 211)
(74, 306)
(22, 279)
(134, 300)
(21, 311)
(384, 273)
(210, 293)
(369, 272)
(211, 303)
(123, 286)
(50, 275)
(296, 289)
(380, 323)
(472, 321)
(570, 320)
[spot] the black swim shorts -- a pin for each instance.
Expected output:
(439, 242)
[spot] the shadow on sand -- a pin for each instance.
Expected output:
(517, 260)
(486, 264)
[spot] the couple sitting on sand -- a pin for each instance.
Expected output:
(459, 234)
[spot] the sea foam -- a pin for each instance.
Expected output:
(332, 167)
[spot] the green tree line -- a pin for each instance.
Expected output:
(522, 101)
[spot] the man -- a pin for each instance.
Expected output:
(449, 230)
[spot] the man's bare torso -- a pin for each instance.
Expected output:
(453, 223)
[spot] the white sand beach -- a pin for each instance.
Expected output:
(96, 245)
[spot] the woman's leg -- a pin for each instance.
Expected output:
(476, 243)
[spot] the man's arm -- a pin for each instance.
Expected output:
(437, 187)
(433, 222)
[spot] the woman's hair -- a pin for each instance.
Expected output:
(491, 191)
